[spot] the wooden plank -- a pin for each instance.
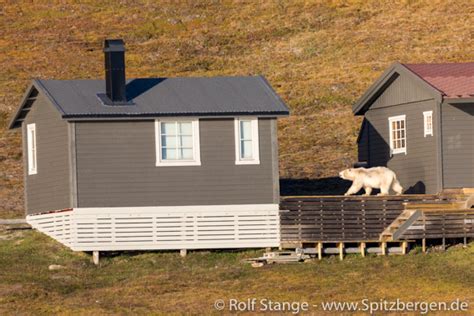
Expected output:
(340, 246)
(362, 248)
(383, 246)
(404, 247)
(12, 221)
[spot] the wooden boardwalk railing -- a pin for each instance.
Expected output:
(340, 218)
(442, 224)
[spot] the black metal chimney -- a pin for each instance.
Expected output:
(114, 52)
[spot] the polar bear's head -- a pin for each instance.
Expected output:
(348, 174)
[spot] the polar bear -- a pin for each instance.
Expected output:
(372, 178)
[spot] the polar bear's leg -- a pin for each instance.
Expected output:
(397, 187)
(368, 190)
(355, 187)
(384, 188)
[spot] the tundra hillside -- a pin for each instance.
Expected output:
(319, 56)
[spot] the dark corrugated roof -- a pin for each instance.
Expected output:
(168, 96)
(454, 80)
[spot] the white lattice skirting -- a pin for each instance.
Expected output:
(171, 227)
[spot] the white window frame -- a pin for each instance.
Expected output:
(426, 127)
(393, 150)
(196, 161)
(255, 160)
(32, 146)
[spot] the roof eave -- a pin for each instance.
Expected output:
(273, 93)
(459, 100)
(361, 130)
(138, 116)
(35, 84)
(16, 115)
(370, 93)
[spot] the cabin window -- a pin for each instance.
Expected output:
(31, 143)
(398, 134)
(177, 142)
(428, 123)
(246, 141)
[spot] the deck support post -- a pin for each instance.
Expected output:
(384, 248)
(341, 250)
(320, 250)
(96, 257)
(465, 241)
(444, 244)
(183, 252)
(404, 247)
(423, 245)
(362, 249)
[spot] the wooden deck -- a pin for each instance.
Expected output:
(373, 218)
(449, 223)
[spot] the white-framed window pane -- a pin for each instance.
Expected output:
(168, 153)
(168, 128)
(428, 123)
(397, 134)
(186, 141)
(246, 141)
(168, 141)
(32, 150)
(186, 153)
(185, 128)
(177, 143)
(245, 129)
(246, 149)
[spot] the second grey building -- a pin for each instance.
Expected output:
(419, 122)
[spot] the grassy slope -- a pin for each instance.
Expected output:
(165, 283)
(319, 57)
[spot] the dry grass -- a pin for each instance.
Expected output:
(319, 56)
(163, 283)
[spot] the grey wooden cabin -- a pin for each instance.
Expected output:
(155, 163)
(419, 122)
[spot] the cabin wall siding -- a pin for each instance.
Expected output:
(417, 170)
(458, 145)
(402, 90)
(116, 167)
(363, 143)
(49, 189)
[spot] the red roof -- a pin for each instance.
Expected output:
(454, 80)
